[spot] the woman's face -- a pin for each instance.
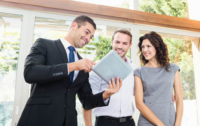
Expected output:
(148, 50)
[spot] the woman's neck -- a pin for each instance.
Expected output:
(153, 63)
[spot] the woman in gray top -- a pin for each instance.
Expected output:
(154, 84)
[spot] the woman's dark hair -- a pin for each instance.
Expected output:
(161, 49)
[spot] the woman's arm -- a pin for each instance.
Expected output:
(179, 99)
(87, 115)
(145, 111)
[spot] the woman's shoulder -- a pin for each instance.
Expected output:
(137, 71)
(174, 67)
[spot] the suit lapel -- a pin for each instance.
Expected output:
(79, 57)
(64, 57)
(62, 51)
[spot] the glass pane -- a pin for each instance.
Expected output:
(50, 28)
(174, 8)
(127, 4)
(180, 50)
(193, 9)
(10, 31)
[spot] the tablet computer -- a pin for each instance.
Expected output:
(112, 66)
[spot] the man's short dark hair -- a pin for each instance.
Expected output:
(81, 20)
(124, 31)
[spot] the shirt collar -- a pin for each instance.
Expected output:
(65, 43)
(128, 60)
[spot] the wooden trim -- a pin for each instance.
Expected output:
(105, 12)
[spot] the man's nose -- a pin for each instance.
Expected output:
(87, 38)
(119, 45)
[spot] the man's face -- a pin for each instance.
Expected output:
(83, 34)
(121, 44)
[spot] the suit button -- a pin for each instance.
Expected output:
(64, 106)
(68, 89)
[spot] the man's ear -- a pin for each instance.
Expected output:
(111, 42)
(130, 45)
(74, 25)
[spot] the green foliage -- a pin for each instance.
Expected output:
(4, 68)
(175, 8)
(175, 46)
(7, 67)
(187, 75)
(180, 52)
(8, 56)
(103, 46)
(88, 48)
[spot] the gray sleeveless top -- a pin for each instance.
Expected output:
(158, 89)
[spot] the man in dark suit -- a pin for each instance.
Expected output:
(57, 73)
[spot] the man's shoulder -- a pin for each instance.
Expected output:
(44, 40)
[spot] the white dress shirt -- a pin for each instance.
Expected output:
(120, 104)
(66, 44)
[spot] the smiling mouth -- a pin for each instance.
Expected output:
(146, 55)
(84, 43)
(119, 51)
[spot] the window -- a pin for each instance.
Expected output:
(50, 28)
(10, 31)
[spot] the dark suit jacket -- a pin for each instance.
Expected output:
(53, 99)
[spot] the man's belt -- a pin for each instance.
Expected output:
(116, 119)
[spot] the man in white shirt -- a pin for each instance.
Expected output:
(120, 109)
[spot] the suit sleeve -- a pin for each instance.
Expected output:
(88, 100)
(36, 70)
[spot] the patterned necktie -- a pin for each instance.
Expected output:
(71, 59)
